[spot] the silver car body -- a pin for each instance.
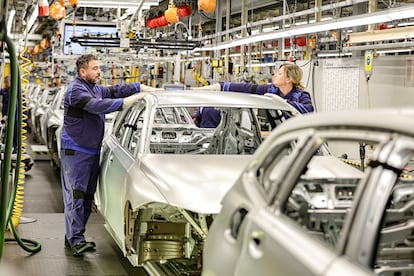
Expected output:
(160, 176)
(33, 98)
(40, 110)
(294, 211)
(50, 122)
(53, 116)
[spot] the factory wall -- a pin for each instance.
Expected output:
(341, 85)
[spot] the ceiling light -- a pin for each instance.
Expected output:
(116, 4)
(392, 51)
(404, 44)
(340, 23)
(337, 54)
(406, 24)
(10, 21)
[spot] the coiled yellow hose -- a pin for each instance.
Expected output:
(18, 203)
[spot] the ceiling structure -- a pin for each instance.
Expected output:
(138, 10)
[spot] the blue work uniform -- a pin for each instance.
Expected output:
(298, 98)
(85, 107)
(207, 117)
(5, 100)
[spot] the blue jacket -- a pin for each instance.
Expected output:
(207, 117)
(5, 100)
(298, 98)
(84, 113)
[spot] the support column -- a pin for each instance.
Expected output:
(227, 51)
(219, 28)
(372, 7)
(177, 68)
(244, 20)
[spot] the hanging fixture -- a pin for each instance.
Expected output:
(57, 11)
(69, 3)
(171, 15)
(43, 8)
(161, 21)
(207, 5)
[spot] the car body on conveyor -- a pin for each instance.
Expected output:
(297, 211)
(163, 177)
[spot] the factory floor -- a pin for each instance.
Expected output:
(43, 221)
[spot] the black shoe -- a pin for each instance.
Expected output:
(67, 244)
(83, 246)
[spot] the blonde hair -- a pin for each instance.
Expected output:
(295, 73)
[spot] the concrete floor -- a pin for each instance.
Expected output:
(43, 203)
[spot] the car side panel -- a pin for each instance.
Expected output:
(112, 189)
(287, 250)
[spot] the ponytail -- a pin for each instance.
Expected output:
(294, 72)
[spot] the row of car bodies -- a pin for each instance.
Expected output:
(183, 200)
(45, 116)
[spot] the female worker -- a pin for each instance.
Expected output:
(286, 84)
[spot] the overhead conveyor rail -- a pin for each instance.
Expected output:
(149, 43)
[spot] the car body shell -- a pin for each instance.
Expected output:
(40, 110)
(53, 116)
(182, 185)
(256, 234)
(33, 98)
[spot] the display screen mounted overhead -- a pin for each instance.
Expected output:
(84, 29)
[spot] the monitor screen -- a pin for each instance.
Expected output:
(93, 30)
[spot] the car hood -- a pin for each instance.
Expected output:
(194, 182)
(331, 167)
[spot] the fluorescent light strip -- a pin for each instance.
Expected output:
(405, 24)
(390, 51)
(268, 52)
(261, 64)
(347, 22)
(116, 4)
(33, 18)
(10, 21)
(334, 54)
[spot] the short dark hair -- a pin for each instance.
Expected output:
(83, 61)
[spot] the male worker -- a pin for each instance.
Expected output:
(86, 104)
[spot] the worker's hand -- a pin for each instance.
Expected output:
(133, 98)
(213, 87)
(146, 88)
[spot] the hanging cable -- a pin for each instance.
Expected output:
(6, 203)
(15, 188)
(18, 203)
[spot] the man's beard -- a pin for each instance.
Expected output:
(92, 81)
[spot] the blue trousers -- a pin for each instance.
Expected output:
(79, 176)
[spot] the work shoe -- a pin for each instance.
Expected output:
(67, 244)
(81, 247)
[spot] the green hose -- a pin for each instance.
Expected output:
(6, 165)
